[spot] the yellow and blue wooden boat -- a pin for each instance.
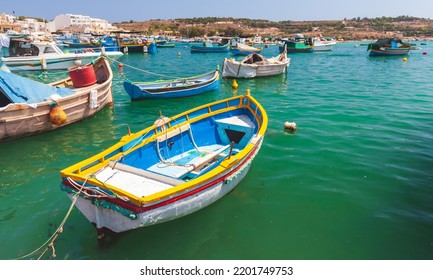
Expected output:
(175, 167)
(181, 87)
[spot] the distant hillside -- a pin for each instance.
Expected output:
(348, 29)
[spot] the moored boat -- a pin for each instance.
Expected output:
(180, 87)
(39, 55)
(208, 47)
(242, 49)
(388, 47)
(26, 105)
(174, 167)
(255, 65)
(297, 44)
(322, 44)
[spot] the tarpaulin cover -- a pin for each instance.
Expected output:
(23, 90)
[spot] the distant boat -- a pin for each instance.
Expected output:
(242, 49)
(181, 87)
(173, 168)
(42, 55)
(208, 47)
(25, 104)
(135, 45)
(321, 44)
(164, 44)
(255, 65)
(297, 44)
(388, 47)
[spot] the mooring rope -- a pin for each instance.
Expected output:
(50, 242)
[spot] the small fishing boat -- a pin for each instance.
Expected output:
(208, 47)
(255, 65)
(173, 168)
(180, 87)
(164, 44)
(388, 47)
(297, 44)
(134, 45)
(322, 44)
(28, 107)
(42, 55)
(242, 49)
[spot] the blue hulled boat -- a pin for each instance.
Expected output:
(173, 88)
(208, 47)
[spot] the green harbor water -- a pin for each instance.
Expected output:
(353, 182)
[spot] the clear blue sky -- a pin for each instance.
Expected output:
(274, 10)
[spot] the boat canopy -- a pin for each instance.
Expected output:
(17, 89)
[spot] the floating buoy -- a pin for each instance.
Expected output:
(57, 115)
(178, 54)
(235, 84)
(248, 92)
(404, 59)
(424, 53)
(290, 126)
(120, 65)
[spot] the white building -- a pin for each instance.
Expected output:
(67, 20)
(78, 21)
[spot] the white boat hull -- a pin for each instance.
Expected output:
(235, 69)
(54, 62)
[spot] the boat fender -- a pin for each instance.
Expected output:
(43, 63)
(57, 115)
(93, 99)
(139, 41)
(89, 51)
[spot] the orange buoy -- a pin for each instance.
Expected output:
(120, 65)
(57, 115)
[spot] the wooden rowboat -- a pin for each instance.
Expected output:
(174, 167)
(25, 105)
(181, 87)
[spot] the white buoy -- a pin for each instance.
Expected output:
(290, 126)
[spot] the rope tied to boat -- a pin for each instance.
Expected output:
(50, 242)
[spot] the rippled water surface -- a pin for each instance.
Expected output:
(354, 182)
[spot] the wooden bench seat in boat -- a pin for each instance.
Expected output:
(134, 180)
(193, 160)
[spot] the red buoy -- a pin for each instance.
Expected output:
(424, 53)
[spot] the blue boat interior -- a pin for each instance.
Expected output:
(191, 150)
